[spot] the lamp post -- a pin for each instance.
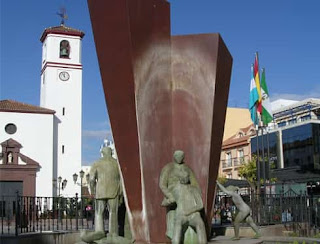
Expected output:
(75, 178)
(61, 185)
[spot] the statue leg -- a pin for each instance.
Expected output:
(177, 231)
(99, 213)
(197, 223)
(113, 205)
(171, 214)
(239, 218)
(249, 220)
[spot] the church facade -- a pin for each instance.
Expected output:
(48, 135)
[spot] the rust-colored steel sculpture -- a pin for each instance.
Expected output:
(163, 93)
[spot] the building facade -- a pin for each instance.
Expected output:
(236, 142)
(49, 135)
(236, 150)
(27, 132)
(61, 90)
(293, 142)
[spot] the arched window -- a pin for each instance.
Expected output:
(64, 49)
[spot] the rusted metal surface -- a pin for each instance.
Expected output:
(133, 45)
(201, 70)
(163, 93)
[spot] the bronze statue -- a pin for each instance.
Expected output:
(244, 211)
(105, 184)
(182, 199)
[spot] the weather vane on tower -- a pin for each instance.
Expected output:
(63, 15)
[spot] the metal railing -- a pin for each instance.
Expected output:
(23, 214)
(233, 162)
(298, 212)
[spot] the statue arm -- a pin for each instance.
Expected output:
(92, 180)
(163, 184)
(193, 180)
(224, 189)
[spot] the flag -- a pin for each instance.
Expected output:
(266, 114)
(257, 81)
(254, 98)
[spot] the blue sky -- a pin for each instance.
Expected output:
(286, 33)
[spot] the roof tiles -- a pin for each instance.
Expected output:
(14, 106)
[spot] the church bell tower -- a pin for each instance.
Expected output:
(61, 90)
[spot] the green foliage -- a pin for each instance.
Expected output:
(222, 180)
(317, 235)
(248, 171)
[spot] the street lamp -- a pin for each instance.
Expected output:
(75, 178)
(62, 184)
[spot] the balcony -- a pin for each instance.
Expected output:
(234, 162)
(226, 163)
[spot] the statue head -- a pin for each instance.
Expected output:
(106, 152)
(178, 156)
(232, 188)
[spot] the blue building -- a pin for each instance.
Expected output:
(293, 142)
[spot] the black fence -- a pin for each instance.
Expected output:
(22, 214)
(298, 212)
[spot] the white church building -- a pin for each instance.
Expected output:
(49, 134)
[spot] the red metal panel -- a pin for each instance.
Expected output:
(154, 111)
(133, 45)
(201, 70)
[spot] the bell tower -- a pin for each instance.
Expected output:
(61, 90)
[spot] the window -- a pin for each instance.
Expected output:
(292, 121)
(306, 117)
(281, 124)
(240, 134)
(62, 149)
(44, 78)
(240, 153)
(63, 111)
(64, 49)
(240, 156)
(228, 159)
(229, 176)
(10, 128)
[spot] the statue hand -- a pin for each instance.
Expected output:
(167, 201)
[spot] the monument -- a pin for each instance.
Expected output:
(105, 184)
(182, 197)
(244, 211)
(163, 93)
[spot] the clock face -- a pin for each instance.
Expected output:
(64, 76)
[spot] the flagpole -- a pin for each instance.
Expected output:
(259, 119)
(268, 155)
(263, 158)
(258, 157)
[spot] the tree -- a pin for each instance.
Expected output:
(248, 171)
(222, 179)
